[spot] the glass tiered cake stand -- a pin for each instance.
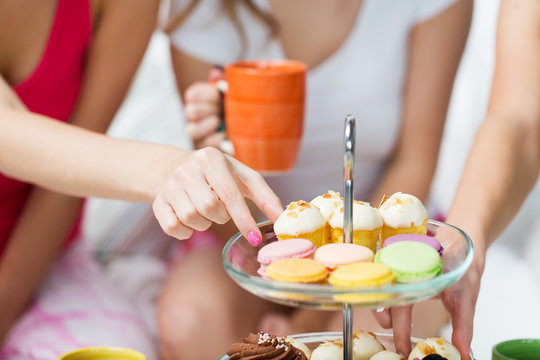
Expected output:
(240, 262)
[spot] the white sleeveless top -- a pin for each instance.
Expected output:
(364, 77)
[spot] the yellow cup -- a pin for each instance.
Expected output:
(103, 353)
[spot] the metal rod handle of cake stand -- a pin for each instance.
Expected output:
(348, 169)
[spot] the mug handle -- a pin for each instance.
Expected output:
(222, 87)
(226, 146)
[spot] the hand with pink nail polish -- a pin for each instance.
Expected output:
(206, 186)
(254, 238)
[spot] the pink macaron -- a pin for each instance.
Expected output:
(428, 240)
(338, 254)
(284, 249)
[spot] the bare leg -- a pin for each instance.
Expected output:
(202, 311)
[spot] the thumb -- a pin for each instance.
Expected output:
(215, 74)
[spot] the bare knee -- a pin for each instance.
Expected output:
(179, 328)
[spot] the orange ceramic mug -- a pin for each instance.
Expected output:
(264, 111)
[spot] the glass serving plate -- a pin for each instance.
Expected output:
(312, 340)
(240, 262)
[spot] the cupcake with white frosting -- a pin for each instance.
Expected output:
(386, 355)
(300, 346)
(434, 345)
(367, 224)
(327, 203)
(365, 345)
(402, 214)
(301, 220)
(328, 350)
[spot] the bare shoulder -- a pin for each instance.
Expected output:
(129, 15)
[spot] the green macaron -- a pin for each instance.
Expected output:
(410, 261)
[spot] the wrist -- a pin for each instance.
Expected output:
(171, 160)
(159, 161)
(479, 245)
(478, 237)
(478, 264)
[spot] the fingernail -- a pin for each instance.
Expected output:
(254, 238)
(380, 309)
(402, 356)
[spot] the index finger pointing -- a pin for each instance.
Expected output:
(237, 208)
(257, 189)
(226, 188)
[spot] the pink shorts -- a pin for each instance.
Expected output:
(80, 305)
(77, 307)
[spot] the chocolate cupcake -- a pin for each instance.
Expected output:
(265, 347)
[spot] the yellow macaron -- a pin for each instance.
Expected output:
(297, 271)
(361, 274)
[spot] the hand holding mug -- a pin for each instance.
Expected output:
(201, 107)
(264, 108)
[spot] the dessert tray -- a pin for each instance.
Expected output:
(240, 262)
(312, 340)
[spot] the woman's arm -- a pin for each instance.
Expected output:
(505, 156)
(47, 215)
(99, 166)
(504, 162)
(436, 46)
(33, 149)
(435, 52)
(185, 186)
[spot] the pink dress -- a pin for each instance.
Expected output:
(51, 90)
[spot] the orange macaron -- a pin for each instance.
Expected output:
(297, 271)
